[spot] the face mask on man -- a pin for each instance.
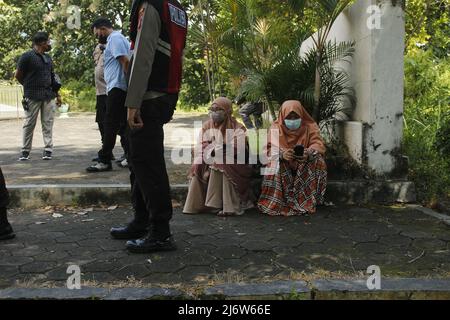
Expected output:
(293, 124)
(102, 39)
(217, 116)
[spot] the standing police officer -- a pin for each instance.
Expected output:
(158, 35)
(6, 232)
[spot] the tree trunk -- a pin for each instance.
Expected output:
(317, 87)
(272, 110)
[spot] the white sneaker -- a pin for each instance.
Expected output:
(124, 163)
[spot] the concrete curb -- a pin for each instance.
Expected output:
(403, 289)
(350, 192)
(445, 219)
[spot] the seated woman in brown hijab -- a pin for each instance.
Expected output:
(299, 182)
(218, 186)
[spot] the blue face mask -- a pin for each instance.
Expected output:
(293, 124)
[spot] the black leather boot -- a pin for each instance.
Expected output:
(151, 244)
(128, 232)
(6, 232)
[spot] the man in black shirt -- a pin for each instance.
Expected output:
(35, 73)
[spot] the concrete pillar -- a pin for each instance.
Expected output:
(374, 132)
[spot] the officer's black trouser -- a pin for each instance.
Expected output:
(4, 200)
(149, 180)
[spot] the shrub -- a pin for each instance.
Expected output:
(427, 100)
(79, 96)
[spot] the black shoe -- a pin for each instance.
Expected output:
(6, 232)
(97, 159)
(99, 167)
(47, 155)
(127, 233)
(149, 244)
(24, 156)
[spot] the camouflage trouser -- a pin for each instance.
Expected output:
(4, 197)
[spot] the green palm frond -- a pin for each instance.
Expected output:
(297, 5)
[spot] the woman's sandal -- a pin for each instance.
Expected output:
(229, 214)
(225, 214)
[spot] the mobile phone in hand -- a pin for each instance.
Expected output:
(299, 150)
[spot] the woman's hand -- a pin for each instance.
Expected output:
(303, 158)
(288, 155)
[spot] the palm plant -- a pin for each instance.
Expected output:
(293, 77)
(329, 11)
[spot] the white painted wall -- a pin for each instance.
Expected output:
(376, 127)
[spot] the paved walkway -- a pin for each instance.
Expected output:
(77, 141)
(334, 243)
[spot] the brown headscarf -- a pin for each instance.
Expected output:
(308, 134)
(238, 174)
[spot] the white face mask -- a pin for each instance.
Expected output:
(293, 124)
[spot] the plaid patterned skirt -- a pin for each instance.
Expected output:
(291, 193)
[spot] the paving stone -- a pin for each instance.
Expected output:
(200, 240)
(99, 266)
(165, 265)
(226, 265)
(310, 238)
(417, 234)
(197, 274)
(290, 261)
(109, 255)
(258, 245)
(8, 271)
(202, 231)
(230, 252)
(5, 253)
(429, 244)
(395, 240)
(51, 256)
(163, 278)
(58, 273)
(37, 267)
(15, 261)
(136, 271)
(69, 239)
(198, 259)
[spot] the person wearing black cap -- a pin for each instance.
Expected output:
(6, 231)
(158, 35)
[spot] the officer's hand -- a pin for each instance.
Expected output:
(134, 118)
(58, 101)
